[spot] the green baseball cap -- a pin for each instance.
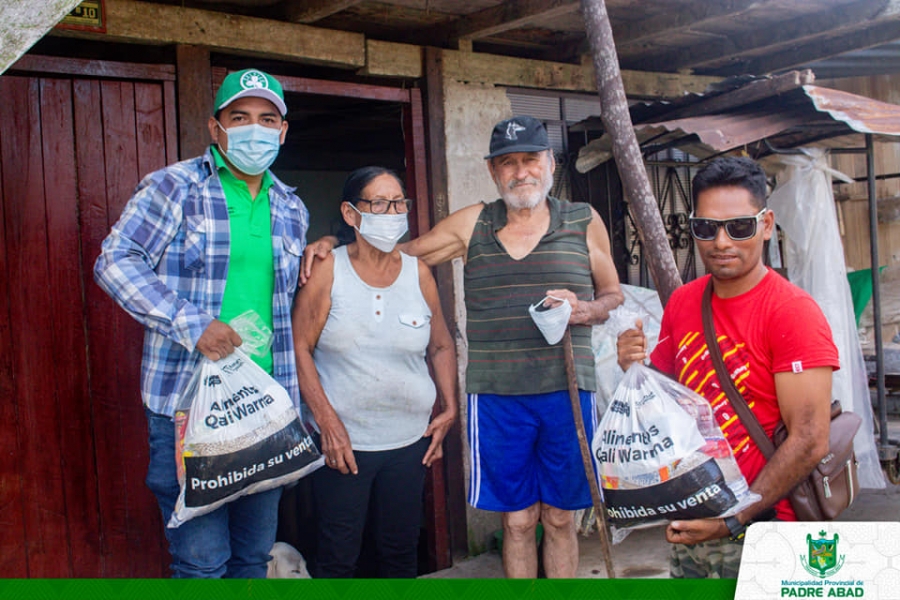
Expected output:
(250, 83)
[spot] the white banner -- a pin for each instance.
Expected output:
(820, 560)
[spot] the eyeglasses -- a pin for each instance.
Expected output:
(379, 206)
(738, 228)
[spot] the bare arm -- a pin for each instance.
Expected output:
(308, 317)
(448, 239)
(804, 400)
(607, 293)
(442, 356)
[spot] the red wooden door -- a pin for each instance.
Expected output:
(73, 441)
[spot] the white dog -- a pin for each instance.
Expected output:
(286, 563)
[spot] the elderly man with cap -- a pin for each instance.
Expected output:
(200, 242)
(522, 249)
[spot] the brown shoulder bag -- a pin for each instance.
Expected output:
(832, 486)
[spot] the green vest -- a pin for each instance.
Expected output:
(507, 352)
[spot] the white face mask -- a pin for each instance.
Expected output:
(382, 231)
(551, 321)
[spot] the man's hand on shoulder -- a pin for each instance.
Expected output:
(318, 249)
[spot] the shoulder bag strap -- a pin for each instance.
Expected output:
(751, 423)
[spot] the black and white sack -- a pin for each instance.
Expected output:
(661, 456)
(237, 433)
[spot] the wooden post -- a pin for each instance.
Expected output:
(617, 121)
(195, 99)
(440, 206)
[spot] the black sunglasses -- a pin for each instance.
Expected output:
(738, 228)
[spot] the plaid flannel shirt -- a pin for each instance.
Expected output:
(165, 262)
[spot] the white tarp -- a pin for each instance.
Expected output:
(804, 208)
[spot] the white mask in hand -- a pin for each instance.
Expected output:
(551, 321)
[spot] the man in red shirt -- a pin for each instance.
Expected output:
(776, 345)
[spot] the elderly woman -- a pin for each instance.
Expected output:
(367, 325)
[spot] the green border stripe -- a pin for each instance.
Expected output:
(368, 589)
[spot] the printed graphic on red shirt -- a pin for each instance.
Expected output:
(696, 371)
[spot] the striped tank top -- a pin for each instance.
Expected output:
(507, 352)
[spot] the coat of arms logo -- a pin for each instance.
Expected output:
(254, 80)
(823, 559)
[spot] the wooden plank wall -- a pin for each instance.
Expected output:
(73, 450)
(11, 522)
(852, 198)
(73, 439)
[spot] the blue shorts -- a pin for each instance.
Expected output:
(524, 449)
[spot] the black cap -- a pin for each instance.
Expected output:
(519, 134)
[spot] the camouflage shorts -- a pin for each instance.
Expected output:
(714, 559)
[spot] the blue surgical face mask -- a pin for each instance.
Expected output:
(252, 148)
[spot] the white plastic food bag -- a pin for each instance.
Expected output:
(236, 432)
(661, 456)
(640, 303)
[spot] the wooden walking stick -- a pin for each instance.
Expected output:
(599, 507)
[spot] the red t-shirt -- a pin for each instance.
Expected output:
(773, 328)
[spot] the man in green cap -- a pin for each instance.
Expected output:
(200, 242)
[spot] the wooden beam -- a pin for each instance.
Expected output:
(721, 51)
(151, 23)
(435, 82)
(803, 54)
(195, 99)
(310, 11)
(326, 87)
(521, 72)
(687, 16)
(417, 166)
(387, 59)
(93, 68)
(512, 14)
(435, 76)
(756, 90)
(643, 84)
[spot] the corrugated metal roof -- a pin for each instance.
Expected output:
(858, 112)
(806, 115)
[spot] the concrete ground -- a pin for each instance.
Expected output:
(644, 553)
